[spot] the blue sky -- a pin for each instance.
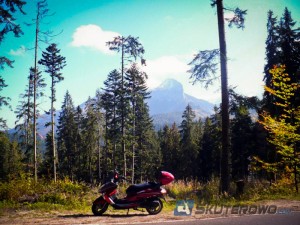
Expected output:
(171, 31)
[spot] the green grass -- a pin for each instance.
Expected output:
(64, 195)
(208, 193)
(45, 195)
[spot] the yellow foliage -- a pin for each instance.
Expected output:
(284, 129)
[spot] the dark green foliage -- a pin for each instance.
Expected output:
(170, 148)
(241, 143)
(205, 66)
(91, 133)
(110, 102)
(139, 123)
(10, 158)
(7, 9)
(25, 116)
(272, 58)
(7, 24)
(24, 123)
(148, 156)
(66, 138)
(242, 136)
(130, 49)
(53, 62)
(282, 47)
(210, 148)
(189, 144)
(47, 166)
(80, 141)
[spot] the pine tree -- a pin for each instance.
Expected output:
(290, 50)
(242, 135)
(10, 158)
(111, 104)
(53, 63)
(210, 147)
(130, 49)
(25, 117)
(170, 149)
(79, 148)
(24, 122)
(241, 143)
(189, 144)
(272, 58)
(66, 138)
(148, 151)
(89, 143)
(137, 94)
(288, 43)
(101, 153)
(47, 166)
(282, 47)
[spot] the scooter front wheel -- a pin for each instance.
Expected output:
(154, 206)
(99, 206)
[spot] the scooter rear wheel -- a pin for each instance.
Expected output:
(155, 206)
(99, 206)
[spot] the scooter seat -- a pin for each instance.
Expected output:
(132, 189)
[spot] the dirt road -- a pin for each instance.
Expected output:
(119, 217)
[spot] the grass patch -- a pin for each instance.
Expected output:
(45, 195)
(208, 193)
(64, 195)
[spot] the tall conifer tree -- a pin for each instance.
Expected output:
(130, 49)
(66, 138)
(53, 63)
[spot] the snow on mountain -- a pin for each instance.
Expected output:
(168, 102)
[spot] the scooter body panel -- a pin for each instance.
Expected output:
(145, 195)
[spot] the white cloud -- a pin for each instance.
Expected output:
(19, 52)
(165, 67)
(94, 37)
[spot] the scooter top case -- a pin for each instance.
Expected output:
(133, 189)
(165, 178)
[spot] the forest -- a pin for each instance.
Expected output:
(115, 131)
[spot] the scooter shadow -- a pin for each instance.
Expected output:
(104, 215)
(125, 215)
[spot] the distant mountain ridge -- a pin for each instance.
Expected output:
(168, 102)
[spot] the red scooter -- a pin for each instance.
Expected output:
(147, 195)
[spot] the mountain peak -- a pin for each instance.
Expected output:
(169, 97)
(171, 84)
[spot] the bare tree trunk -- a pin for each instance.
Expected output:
(295, 173)
(53, 132)
(28, 133)
(34, 94)
(99, 153)
(133, 145)
(225, 101)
